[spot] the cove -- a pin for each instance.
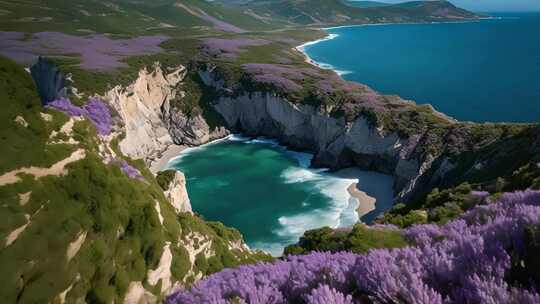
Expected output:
(473, 71)
(271, 195)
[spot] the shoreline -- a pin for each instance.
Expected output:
(166, 156)
(321, 65)
(174, 152)
(331, 36)
(366, 203)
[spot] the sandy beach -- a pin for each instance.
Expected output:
(366, 202)
(166, 156)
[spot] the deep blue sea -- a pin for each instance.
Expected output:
(479, 71)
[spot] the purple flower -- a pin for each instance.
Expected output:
(99, 114)
(67, 107)
(463, 261)
(95, 110)
(326, 295)
(129, 170)
(229, 48)
(97, 52)
(281, 77)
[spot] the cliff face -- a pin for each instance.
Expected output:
(191, 130)
(177, 194)
(140, 108)
(335, 142)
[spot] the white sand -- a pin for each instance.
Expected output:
(161, 163)
(366, 203)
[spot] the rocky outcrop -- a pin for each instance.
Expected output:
(140, 106)
(152, 124)
(177, 194)
(191, 130)
(50, 82)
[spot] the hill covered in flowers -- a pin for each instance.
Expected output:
(487, 255)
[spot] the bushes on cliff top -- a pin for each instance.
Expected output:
(359, 239)
(25, 145)
(164, 178)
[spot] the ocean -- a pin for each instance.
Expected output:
(270, 194)
(484, 71)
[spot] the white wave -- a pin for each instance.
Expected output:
(341, 212)
(274, 248)
(299, 175)
(178, 159)
(264, 141)
(302, 47)
(327, 66)
(303, 159)
(237, 137)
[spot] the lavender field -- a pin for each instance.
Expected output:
(468, 260)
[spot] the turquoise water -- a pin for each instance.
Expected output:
(479, 71)
(269, 194)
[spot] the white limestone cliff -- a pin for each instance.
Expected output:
(177, 194)
(140, 106)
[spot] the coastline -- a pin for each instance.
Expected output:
(161, 163)
(174, 152)
(321, 65)
(366, 203)
(331, 36)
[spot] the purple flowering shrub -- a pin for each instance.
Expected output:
(467, 260)
(95, 110)
(97, 52)
(128, 169)
(228, 48)
(281, 77)
(98, 112)
(67, 107)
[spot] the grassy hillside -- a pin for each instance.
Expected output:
(200, 17)
(121, 17)
(365, 4)
(86, 233)
(334, 12)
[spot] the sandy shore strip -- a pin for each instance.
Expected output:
(174, 151)
(166, 156)
(366, 203)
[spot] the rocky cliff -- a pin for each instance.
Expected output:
(335, 142)
(140, 107)
(420, 158)
(177, 193)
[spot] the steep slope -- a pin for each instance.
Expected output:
(83, 222)
(333, 12)
(125, 17)
(365, 4)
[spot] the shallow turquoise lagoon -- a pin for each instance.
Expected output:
(270, 194)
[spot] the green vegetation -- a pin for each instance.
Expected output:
(121, 17)
(164, 178)
(121, 232)
(176, 52)
(360, 238)
(336, 12)
(25, 145)
(441, 206)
